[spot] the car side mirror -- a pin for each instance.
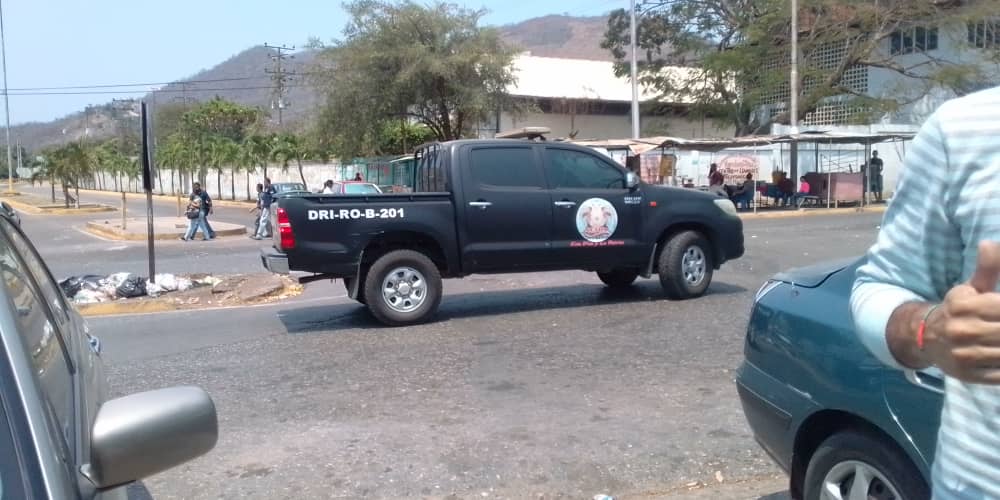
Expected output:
(631, 181)
(143, 434)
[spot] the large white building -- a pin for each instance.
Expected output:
(584, 99)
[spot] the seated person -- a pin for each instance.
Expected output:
(803, 193)
(744, 194)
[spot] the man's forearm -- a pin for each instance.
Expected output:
(901, 335)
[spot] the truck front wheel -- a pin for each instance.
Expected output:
(686, 266)
(618, 278)
(403, 287)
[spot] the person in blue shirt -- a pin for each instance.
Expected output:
(266, 199)
(204, 207)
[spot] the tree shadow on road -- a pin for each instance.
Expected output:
(489, 303)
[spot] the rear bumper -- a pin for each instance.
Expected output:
(273, 261)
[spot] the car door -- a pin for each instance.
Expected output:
(50, 386)
(507, 208)
(596, 220)
(915, 399)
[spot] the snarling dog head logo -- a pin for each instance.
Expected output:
(596, 220)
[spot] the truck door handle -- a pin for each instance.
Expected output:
(565, 204)
(482, 205)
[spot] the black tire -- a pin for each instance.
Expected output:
(671, 266)
(618, 278)
(873, 450)
(380, 270)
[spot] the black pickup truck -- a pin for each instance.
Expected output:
(503, 206)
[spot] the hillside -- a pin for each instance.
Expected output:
(560, 36)
(242, 79)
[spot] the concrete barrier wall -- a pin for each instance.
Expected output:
(168, 181)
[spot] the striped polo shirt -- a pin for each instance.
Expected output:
(947, 201)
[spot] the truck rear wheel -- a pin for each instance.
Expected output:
(403, 287)
(618, 278)
(686, 266)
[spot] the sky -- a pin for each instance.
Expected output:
(58, 43)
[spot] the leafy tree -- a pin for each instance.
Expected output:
(736, 53)
(401, 137)
(214, 119)
(432, 63)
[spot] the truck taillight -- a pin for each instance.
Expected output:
(285, 230)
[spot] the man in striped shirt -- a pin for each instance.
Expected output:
(928, 293)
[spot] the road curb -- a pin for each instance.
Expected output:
(167, 304)
(99, 229)
(812, 212)
(220, 203)
(32, 209)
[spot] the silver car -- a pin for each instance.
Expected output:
(59, 436)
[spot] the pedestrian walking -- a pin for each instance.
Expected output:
(206, 209)
(256, 210)
(264, 222)
(195, 220)
(927, 295)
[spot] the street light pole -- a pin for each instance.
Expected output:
(6, 104)
(794, 90)
(793, 120)
(635, 71)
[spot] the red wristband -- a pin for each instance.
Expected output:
(923, 326)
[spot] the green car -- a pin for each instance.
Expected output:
(838, 421)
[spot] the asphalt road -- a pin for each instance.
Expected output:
(70, 251)
(527, 386)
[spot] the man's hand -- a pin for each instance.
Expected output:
(962, 336)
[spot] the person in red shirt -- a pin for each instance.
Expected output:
(804, 191)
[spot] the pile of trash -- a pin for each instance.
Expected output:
(90, 289)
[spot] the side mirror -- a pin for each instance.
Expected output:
(146, 433)
(631, 180)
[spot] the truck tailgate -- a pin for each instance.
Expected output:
(331, 231)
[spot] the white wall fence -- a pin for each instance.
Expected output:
(168, 181)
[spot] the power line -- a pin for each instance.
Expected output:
(165, 91)
(279, 76)
(147, 84)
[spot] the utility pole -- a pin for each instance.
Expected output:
(793, 120)
(280, 77)
(635, 71)
(6, 104)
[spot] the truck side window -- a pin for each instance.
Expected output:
(566, 168)
(506, 167)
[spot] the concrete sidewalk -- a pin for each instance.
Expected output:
(776, 213)
(164, 228)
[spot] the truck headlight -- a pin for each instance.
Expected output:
(726, 206)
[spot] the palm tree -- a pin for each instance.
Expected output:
(69, 163)
(257, 149)
(290, 147)
(220, 152)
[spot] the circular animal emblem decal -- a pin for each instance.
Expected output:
(596, 220)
